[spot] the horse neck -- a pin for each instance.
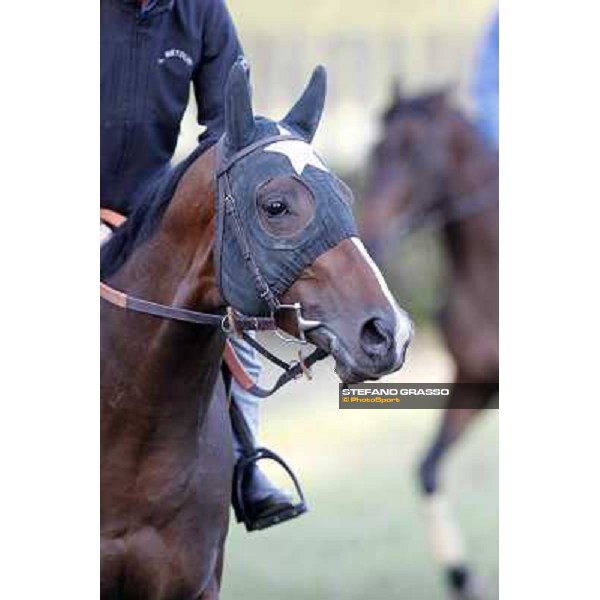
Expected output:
(159, 371)
(472, 170)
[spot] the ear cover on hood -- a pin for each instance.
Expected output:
(239, 117)
(280, 260)
(306, 113)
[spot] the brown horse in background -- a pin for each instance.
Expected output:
(166, 445)
(432, 166)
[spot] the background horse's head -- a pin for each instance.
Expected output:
(428, 153)
(408, 166)
(277, 198)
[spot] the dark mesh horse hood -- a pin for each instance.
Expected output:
(255, 159)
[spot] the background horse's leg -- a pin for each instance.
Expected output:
(445, 536)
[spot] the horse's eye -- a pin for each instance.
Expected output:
(276, 208)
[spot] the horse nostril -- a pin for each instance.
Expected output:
(376, 338)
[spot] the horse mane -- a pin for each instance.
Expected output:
(144, 220)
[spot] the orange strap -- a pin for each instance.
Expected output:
(114, 219)
(113, 296)
(237, 369)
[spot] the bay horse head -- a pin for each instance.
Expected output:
(428, 159)
(408, 165)
(286, 237)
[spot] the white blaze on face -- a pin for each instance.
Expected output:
(404, 327)
(299, 153)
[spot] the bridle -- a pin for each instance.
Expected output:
(232, 322)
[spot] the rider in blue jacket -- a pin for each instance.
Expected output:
(485, 83)
(151, 52)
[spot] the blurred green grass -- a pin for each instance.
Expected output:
(364, 536)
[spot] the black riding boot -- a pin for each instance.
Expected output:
(256, 501)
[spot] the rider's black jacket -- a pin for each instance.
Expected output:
(149, 57)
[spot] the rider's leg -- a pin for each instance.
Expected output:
(247, 402)
(261, 498)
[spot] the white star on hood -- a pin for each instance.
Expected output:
(299, 153)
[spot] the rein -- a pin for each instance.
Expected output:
(135, 304)
(232, 322)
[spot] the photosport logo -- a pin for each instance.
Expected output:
(408, 395)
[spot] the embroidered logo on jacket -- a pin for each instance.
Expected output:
(176, 53)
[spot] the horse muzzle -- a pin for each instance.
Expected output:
(377, 348)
